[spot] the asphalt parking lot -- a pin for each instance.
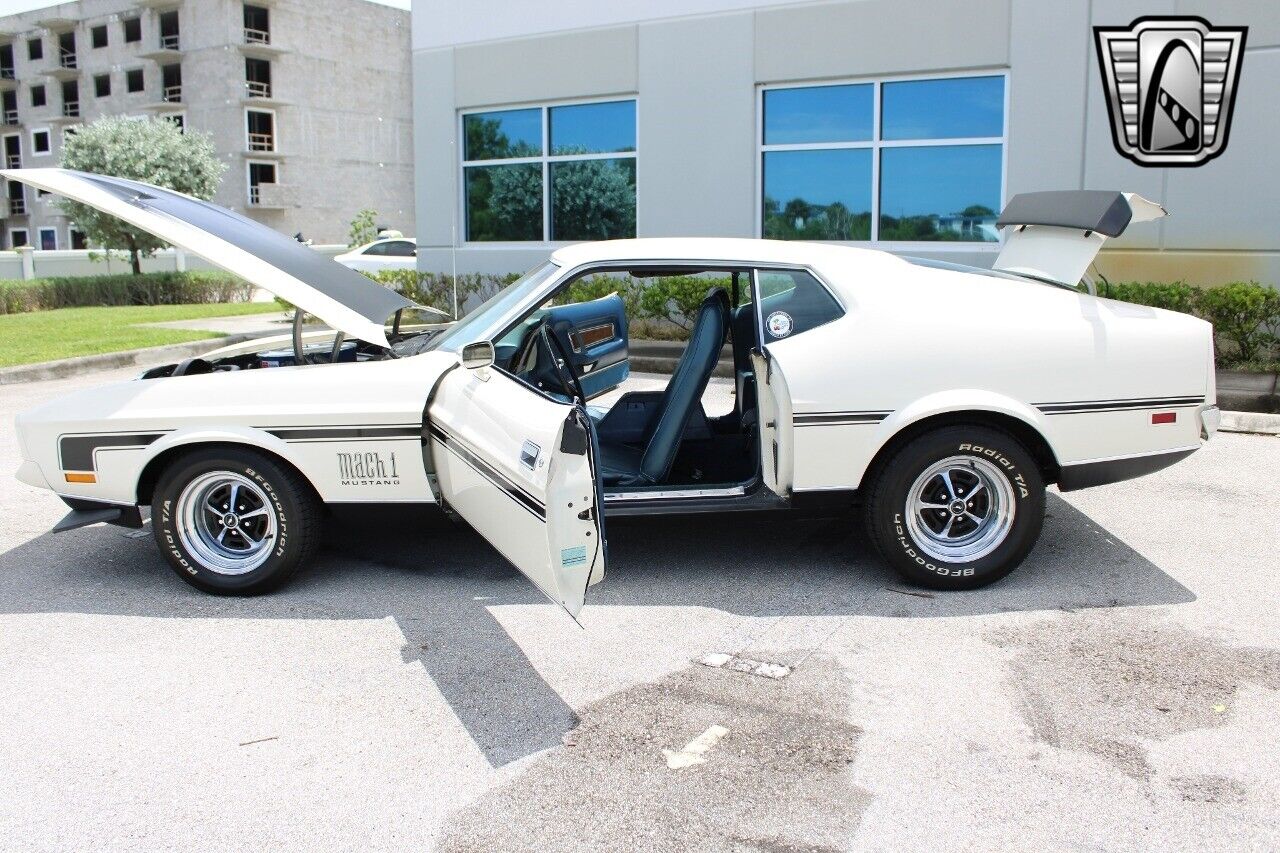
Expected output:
(1119, 691)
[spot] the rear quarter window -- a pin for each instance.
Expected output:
(792, 302)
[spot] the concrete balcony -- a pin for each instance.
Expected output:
(272, 197)
(258, 43)
(61, 73)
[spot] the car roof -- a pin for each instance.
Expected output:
(728, 249)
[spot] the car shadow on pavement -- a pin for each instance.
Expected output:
(438, 581)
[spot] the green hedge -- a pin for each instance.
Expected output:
(1245, 315)
(157, 288)
(436, 290)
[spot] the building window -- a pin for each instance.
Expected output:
(40, 141)
(132, 29)
(71, 98)
(98, 36)
(170, 37)
(551, 173)
(38, 96)
(259, 175)
(78, 238)
(257, 77)
(35, 49)
(180, 119)
(13, 151)
(257, 25)
(102, 86)
(17, 236)
(48, 238)
(886, 161)
(134, 81)
(260, 130)
(6, 63)
(67, 50)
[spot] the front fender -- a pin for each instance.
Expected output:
(257, 439)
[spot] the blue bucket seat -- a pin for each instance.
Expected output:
(625, 465)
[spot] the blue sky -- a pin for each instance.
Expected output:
(12, 7)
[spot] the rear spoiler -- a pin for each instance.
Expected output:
(1056, 235)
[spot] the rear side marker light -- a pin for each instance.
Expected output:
(1164, 418)
(73, 477)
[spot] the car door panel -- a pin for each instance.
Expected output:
(594, 334)
(519, 468)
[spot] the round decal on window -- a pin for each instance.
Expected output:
(779, 324)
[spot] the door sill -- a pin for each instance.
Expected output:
(674, 494)
(751, 496)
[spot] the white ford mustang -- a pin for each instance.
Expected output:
(939, 400)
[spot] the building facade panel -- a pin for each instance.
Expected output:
(702, 81)
(877, 37)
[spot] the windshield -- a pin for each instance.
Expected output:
(470, 327)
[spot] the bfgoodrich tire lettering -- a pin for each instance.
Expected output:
(957, 508)
(249, 552)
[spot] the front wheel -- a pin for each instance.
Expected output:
(234, 522)
(957, 508)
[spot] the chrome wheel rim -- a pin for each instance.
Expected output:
(960, 509)
(226, 522)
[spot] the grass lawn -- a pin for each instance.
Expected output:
(67, 332)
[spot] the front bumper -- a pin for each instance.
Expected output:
(1210, 419)
(29, 473)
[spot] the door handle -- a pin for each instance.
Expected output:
(529, 454)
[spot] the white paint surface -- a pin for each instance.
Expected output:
(695, 750)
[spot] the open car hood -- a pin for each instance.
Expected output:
(1056, 235)
(348, 301)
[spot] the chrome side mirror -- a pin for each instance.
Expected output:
(477, 355)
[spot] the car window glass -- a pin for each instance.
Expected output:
(376, 249)
(793, 302)
(399, 248)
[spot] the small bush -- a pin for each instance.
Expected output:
(1245, 314)
(1174, 295)
(435, 290)
(676, 298)
(159, 288)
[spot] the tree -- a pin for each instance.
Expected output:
(363, 230)
(152, 150)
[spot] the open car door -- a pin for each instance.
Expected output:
(519, 466)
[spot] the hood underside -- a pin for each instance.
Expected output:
(348, 301)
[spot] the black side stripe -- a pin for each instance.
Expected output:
(76, 452)
(511, 488)
(835, 418)
(1135, 404)
(345, 433)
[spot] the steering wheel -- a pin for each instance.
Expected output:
(299, 352)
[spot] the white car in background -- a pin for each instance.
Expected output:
(936, 400)
(388, 253)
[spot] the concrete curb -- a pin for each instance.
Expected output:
(1256, 423)
(65, 367)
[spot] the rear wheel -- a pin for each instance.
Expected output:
(957, 508)
(234, 522)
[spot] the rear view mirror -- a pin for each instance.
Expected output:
(477, 355)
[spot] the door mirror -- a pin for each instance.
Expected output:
(477, 355)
